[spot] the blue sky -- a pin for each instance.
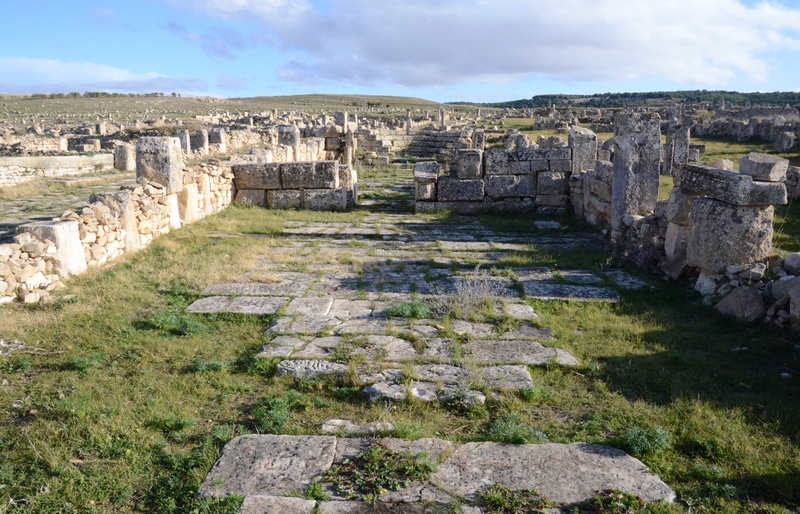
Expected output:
(445, 50)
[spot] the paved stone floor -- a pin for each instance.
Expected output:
(337, 292)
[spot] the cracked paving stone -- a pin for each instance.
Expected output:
(509, 378)
(311, 369)
(311, 325)
(526, 330)
(277, 505)
(253, 305)
(626, 280)
(444, 373)
(476, 330)
(310, 306)
(530, 353)
(544, 291)
(319, 348)
(282, 346)
(389, 391)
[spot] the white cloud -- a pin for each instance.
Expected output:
(27, 75)
(423, 43)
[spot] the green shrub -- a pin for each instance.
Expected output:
(175, 323)
(511, 429)
(641, 442)
(415, 309)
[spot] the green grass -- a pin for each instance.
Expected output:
(130, 410)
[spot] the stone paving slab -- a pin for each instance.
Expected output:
(531, 353)
(566, 474)
(544, 291)
(526, 330)
(311, 369)
(294, 287)
(310, 306)
(509, 378)
(257, 465)
(253, 305)
(264, 469)
(626, 280)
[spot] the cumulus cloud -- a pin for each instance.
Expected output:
(423, 43)
(21, 75)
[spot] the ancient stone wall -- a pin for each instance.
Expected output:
(16, 170)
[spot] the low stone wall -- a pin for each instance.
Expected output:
(16, 170)
(320, 185)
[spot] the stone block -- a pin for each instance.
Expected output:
(285, 199)
(676, 239)
(185, 140)
(426, 172)
(561, 165)
(120, 205)
(173, 212)
(426, 191)
(218, 136)
(637, 165)
(532, 154)
(310, 175)
(188, 203)
(125, 157)
(496, 161)
(509, 186)
(679, 206)
(744, 304)
(288, 135)
(784, 142)
(257, 176)
(70, 258)
(539, 165)
(551, 183)
(551, 200)
(763, 167)
(251, 198)
(724, 235)
(469, 164)
(198, 142)
(454, 190)
(726, 186)
(348, 180)
(520, 168)
(325, 199)
(160, 160)
(600, 189)
(479, 140)
(584, 149)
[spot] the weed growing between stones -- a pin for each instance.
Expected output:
(615, 502)
(377, 471)
(498, 499)
(511, 429)
(273, 415)
(414, 309)
(171, 322)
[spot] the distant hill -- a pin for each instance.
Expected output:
(621, 100)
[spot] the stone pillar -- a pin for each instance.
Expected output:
(125, 157)
(583, 143)
(479, 140)
(637, 159)
(101, 128)
(199, 141)
(218, 137)
(160, 160)
(409, 122)
(183, 137)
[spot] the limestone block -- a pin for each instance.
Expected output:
(679, 206)
(125, 158)
(599, 188)
(454, 190)
(325, 199)
(257, 176)
(584, 149)
(496, 161)
(509, 186)
(561, 165)
(724, 235)
(160, 160)
(551, 200)
(532, 153)
(479, 140)
(676, 239)
(198, 142)
(173, 212)
(251, 197)
(469, 163)
(539, 165)
(121, 206)
(520, 167)
(551, 183)
(784, 142)
(723, 164)
(70, 258)
(733, 188)
(637, 163)
(285, 199)
(348, 180)
(763, 167)
(744, 304)
(426, 191)
(288, 135)
(187, 203)
(310, 175)
(426, 172)
(185, 139)
(218, 136)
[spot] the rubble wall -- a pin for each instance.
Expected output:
(16, 170)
